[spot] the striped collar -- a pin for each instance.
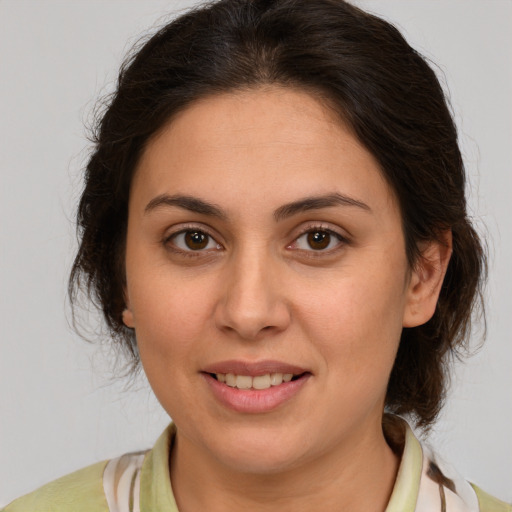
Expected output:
(425, 483)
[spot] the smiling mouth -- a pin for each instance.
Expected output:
(259, 382)
(256, 387)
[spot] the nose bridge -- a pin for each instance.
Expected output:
(252, 301)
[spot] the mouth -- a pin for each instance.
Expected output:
(257, 387)
(258, 382)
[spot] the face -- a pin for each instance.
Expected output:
(264, 245)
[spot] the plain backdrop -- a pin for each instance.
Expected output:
(59, 409)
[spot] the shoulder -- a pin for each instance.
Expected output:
(136, 477)
(489, 503)
(80, 491)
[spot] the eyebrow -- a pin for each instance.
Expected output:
(200, 206)
(189, 203)
(317, 203)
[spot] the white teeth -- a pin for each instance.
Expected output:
(276, 379)
(259, 382)
(243, 382)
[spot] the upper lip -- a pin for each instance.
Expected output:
(253, 369)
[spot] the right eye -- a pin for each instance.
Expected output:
(193, 240)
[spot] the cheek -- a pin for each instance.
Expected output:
(170, 319)
(356, 322)
(170, 313)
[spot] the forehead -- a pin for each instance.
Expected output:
(258, 141)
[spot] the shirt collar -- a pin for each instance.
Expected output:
(407, 484)
(155, 482)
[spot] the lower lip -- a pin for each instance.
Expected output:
(255, 401)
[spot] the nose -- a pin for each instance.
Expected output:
(252, 304)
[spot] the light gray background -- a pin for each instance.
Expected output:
(58, 411)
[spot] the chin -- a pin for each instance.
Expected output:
(254, 453)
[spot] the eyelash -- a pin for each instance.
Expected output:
(320, 228)
(311, 229)
(168, 241)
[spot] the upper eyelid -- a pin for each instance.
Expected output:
(170, 244)
(183, 228)
(321, 226)
(341, 239)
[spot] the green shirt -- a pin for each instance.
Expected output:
(140, 482)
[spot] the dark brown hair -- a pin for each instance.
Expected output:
(381, 87)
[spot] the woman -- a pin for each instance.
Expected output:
(275, 225)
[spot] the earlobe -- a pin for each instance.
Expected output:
(127, 314)
(426, 280)
(128, 318)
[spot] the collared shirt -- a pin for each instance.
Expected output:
(140, 482)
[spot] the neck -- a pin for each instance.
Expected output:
(357, 476)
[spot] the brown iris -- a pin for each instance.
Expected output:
(318, 240)
(196, 240)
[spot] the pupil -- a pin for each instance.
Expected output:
(319, 240)
(196, 240)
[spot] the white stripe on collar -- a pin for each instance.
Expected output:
(121, 482)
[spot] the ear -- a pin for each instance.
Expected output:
(127, 314)
(426, 280)
(128, 318)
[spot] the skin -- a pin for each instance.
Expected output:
(259, 291)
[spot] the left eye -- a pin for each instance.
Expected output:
(194, 240)
(317, 240)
